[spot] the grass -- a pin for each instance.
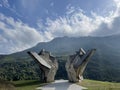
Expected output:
(32, 84)
(27, 84)
(6, 85)
(99, 85)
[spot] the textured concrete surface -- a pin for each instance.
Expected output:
(61, 85)
(47, 63)
(77, 63)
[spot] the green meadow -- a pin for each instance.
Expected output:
(99, 85)
(90, 84)
(33, 84)
(27, 84)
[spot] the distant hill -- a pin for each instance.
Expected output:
(104, 65)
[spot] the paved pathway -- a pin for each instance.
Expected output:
(61, 85)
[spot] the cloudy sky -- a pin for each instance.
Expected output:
(24, 23)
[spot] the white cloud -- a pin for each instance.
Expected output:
(0, 5)
(5, 4)
(52, 4)
(76, 23)
(17, 36)
(113, 24)
(117, 12)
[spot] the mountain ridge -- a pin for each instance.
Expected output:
(104, 65)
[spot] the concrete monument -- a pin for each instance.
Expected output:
(76, 64)
(47, 63)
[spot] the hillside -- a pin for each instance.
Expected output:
(105, 64)
(90, 84)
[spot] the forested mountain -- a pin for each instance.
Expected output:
(104, 65)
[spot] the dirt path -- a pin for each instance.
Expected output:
(61, 85)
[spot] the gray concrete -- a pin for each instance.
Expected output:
(76, 64)
(61, 85)
(48, 64)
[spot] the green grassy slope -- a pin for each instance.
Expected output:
(27, 84)
(99, 85)
(90, 84)
(6, 85)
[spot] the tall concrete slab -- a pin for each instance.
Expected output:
(77, 63)
(47, 63)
